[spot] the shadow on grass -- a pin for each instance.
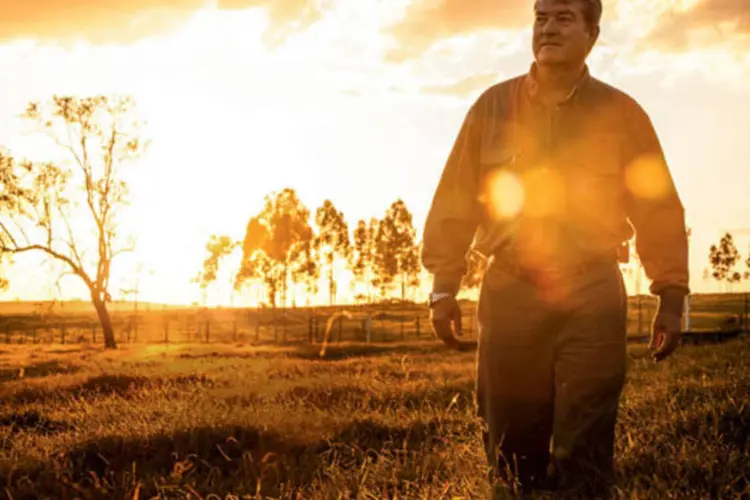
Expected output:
(101, 385)
(75, 350)
(223, 460)
(32, 421)
(36, 371)
(232, 355)
(335, 352)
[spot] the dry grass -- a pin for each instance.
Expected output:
(378, 421)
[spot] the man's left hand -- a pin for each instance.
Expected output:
(445, 316)
(666, 329)
(666, 332)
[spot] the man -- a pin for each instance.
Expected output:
(549, 174)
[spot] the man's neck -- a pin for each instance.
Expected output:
(557, 82)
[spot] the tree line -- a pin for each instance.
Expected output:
(287, 246)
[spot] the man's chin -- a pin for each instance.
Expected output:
(550, 60)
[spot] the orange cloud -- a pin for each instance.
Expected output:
(705, 23)
(428, 21)
(465, 87)
(124, 21)
(286, 17)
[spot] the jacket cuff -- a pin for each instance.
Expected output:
(672, 301)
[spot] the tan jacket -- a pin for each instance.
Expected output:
(547, 188)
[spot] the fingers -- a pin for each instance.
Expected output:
(669, 341)
(458, 323)
(656, 339)
(444, 331)
(446, 322)
(442, 328)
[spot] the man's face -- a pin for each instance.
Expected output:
(561, 34)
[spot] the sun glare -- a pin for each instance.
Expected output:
(645, 178)
(505, 194)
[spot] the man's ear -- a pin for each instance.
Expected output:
(594, 35)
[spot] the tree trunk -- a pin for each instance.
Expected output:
(105, 321)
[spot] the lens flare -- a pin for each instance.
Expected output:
(504, 194)
(646, 177)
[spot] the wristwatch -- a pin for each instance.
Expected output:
(435, 296)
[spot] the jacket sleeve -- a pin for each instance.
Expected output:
(453, 217)
(654, 207)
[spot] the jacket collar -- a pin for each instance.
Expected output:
(534, 90)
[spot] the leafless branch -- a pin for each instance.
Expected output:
(67, 147)
(71, 239)
(80, 272)
(9, 234)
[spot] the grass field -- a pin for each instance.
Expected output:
(379, 421)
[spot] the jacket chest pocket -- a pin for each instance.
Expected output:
(500, 185)
(599, 155)
(597, 177)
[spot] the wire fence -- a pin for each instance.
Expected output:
(379, 323)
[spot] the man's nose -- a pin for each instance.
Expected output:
(550, 27)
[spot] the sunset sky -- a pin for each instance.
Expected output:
(356, 101)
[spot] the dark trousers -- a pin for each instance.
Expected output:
(550, 370)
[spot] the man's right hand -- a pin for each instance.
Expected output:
(445, 315)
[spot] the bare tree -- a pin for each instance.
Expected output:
(4, 282)
(51, 208)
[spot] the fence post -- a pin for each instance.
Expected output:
(310, 326)
(283, 326)
(275, 327)
(257, 324)
(640, 331)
